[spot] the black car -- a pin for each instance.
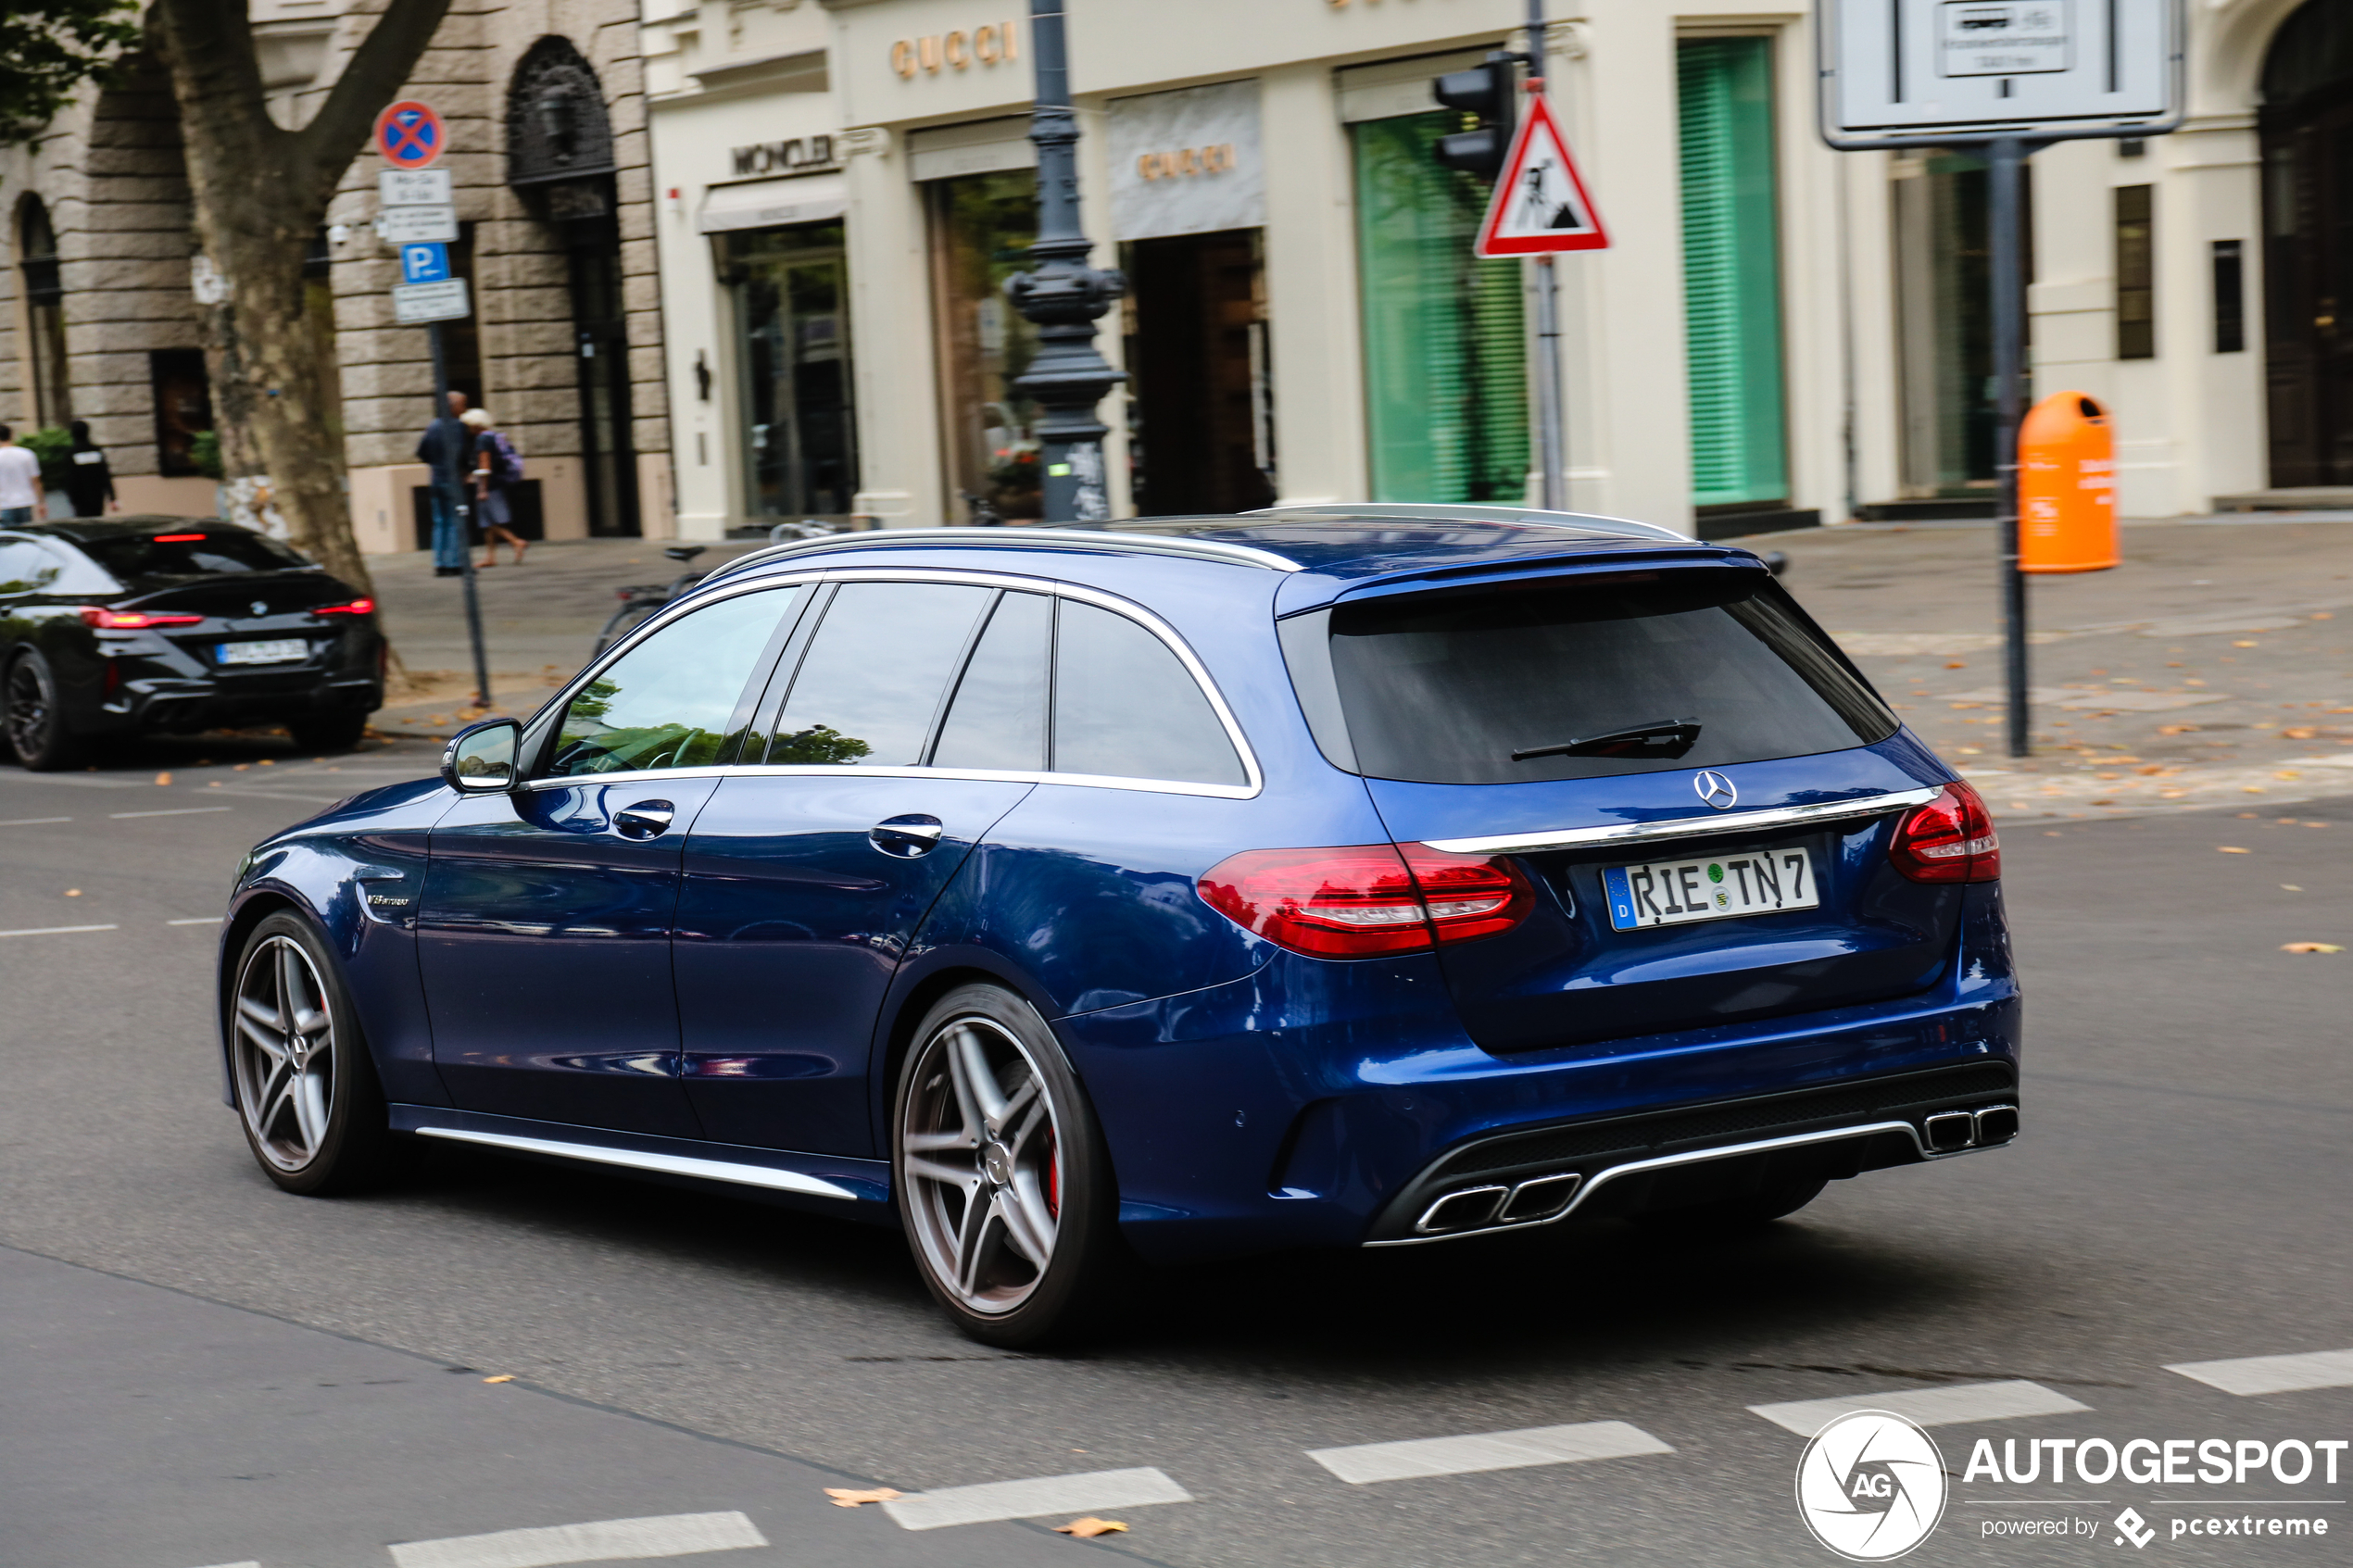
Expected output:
(138, 625)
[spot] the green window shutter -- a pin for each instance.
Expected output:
(1732, 272)
(1445, 359)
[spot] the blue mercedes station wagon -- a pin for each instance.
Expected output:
(1359, 876)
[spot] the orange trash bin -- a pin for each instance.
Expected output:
(2066, 486)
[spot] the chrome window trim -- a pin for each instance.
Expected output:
(1688, 827)
(1253, 776)
(1694, 1157)
(639, 1160)
(1107, 540)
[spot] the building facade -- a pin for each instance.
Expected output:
(545, 109)
(1777, 329)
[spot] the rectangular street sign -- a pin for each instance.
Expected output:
(1933, 72)
(425, 263)
(415, 304)
(412, 225)
(414, 187)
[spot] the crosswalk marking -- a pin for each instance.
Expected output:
(607, 1540)
(993, 1500)
(1929, 1407)
(218, 1564)
(56, 930)
(2273, 1375)
(1367, 1462)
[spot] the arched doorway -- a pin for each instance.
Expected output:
(2307, 129)
(560, 160)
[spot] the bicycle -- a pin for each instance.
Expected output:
(640, 601)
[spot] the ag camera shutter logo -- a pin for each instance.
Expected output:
(1872, 1486)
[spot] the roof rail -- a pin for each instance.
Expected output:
(1038, 538)
(1415, 510)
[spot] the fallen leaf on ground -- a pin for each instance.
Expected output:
(1091, 1526)
(2290, 887)
(2242, 645)
(848, 1497)
(2310, 948)
(163, 778)
(2299, 733)
(2177, 729)
(73, 892)
(503, 1377)
(2231, 850)
(1957, 664)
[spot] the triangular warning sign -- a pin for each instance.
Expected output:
(1539, 203)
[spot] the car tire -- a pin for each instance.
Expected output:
(340, 732)
(304, 1083)
(32, 709)
(1736, 1213)
(995, 1159)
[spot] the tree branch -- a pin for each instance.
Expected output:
(375, 72)
(210, 46)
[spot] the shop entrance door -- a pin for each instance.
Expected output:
(1201, 415)
(792, 308)
(600, 345)
(2307, 129)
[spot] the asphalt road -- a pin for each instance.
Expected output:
(199, 1370)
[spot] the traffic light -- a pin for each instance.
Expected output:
(1491, 90)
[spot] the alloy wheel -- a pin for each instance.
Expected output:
(285, 1053)
(982, 1157)
(28, 712)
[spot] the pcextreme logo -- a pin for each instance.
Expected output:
(1870, 1486)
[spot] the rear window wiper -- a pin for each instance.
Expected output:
(1661, 737)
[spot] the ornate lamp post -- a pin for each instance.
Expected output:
(1064, 298)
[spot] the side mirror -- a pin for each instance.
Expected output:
(481, 758)
(1776, 562)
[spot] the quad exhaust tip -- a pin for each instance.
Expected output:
(1949, 1132)
(1538, 1197)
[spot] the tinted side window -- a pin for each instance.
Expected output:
(25, 567)
(667, 702)
(1127, 707)
(998, 717)
(871, 682)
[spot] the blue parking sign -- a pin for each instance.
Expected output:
(425, 263)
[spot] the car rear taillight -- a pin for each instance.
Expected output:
(130, 619)
(357, 607)
(1366, 901)
(1950, 839)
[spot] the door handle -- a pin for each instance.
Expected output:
(646, 819)
(905, 838)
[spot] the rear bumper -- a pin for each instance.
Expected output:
(182, 703)
(1325, 1104)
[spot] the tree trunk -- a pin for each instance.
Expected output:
(260, 193)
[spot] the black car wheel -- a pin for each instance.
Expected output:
(306, 1089)
(1000, 1174)
(340, 732)
(35, 716)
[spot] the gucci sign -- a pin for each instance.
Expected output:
(1186, 161)
(995, 44)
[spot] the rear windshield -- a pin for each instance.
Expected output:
(192, 552)
(1444, 688)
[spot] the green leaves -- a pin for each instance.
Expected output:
(48, 48)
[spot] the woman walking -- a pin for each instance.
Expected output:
(496, 467)
(89, 482)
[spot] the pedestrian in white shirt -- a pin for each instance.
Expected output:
(21, 500)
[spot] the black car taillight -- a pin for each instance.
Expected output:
(1366, 901)
(1950, 839)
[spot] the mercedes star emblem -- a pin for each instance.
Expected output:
(1715, 789)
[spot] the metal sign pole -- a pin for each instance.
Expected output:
(465, 537)
(1551, 444)
(2007, 157)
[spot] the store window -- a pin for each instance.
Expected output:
(1732, 273)
(981, 226)
(45, 315)
(1945, 320)
(1445, 356)
(792, 312)
(184, 408)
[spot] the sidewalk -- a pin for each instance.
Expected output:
(2214, 667)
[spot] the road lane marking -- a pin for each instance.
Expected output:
(2273, 1375)
(33, 821)
(222, 1564)
(197, 920)
(607, 1540)
(56, 930)
(996, 1500)
(1929, 1407)
(180, 811)
(1486, 1450)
